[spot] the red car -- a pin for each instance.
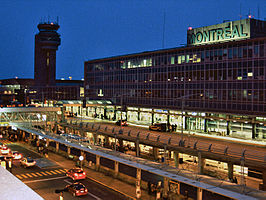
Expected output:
(77, 189)
(76, 174)
(4, 150)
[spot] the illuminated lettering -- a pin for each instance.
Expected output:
(235, 32)
(212, 35)
(199, 37)
(227, 33)
(206, 36)
(241, 31)
(219, 33)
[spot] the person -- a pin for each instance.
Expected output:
(149, 187)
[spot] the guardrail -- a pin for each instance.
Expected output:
(253, 158)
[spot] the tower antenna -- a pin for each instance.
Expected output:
(163, 28)
(258, 11)
(240, 15)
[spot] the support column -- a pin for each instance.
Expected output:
(138, 114)
(199, 194)
(68, 151)
(176, 159)
(106, 142)
(138, 188)
(206, 125)
(95, 139)
(254, 129)
(263, 184)
(230, 167)
(97, 162)
(116, 168)
(120, 142)
(56, 147)
(155, 153)
(137, 148)
(152, 116)
(228, 127)
(201, 163)
(165, 187)
(23, 135)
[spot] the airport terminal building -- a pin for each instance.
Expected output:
(216, 84)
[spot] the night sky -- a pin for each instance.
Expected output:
(92, 29)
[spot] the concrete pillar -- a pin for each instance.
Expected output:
(176, 159)
(95, 139)
(116, 168)
(138, 114)
(138, 184)
(57, 147)
(107, 143)
(165, 187)
(68, 151)
(23, 135)
(254, 130)
(230, 167)
(228, 127)
(205, 125)
(152, 117)
(263, 185)
(155, 153)
(97, 162)
(120, 142)
(137, 148)
(201, 163)
(199, 194)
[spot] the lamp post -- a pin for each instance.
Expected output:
(182, 109)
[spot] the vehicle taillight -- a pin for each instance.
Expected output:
(86, 190)
(84, 173)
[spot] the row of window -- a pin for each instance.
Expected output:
(254, 50)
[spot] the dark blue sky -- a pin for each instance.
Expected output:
(102, 28)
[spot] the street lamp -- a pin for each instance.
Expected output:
(181, 143)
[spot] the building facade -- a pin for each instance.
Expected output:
(216, 84)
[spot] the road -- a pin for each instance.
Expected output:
(47, 176)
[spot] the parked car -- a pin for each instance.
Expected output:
(158, 127)
(77, 189)
(4, 150)
(16, 155)
(76, 173)
(121, 122)
(27, 162)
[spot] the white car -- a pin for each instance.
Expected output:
(4, 150)
(27, 162)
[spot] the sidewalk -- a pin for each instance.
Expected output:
(128, 190)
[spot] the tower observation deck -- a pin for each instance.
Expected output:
(46, 45)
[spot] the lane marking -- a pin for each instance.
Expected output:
(47, 179)
(34, 174)
(44, 173)
(24, 176)
(59, 172)
(49, 173)
(53, 172)
(39, 174)
(29, 175)
(19, 176)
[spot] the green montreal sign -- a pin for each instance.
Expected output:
(233, 32)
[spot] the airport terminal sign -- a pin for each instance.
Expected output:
(234, 30)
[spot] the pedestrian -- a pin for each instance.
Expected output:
(149, 188)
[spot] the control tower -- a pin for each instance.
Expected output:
(46, 45)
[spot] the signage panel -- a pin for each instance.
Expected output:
(234, 30)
